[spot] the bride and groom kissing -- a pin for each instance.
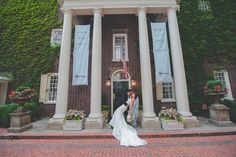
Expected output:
(122, 131)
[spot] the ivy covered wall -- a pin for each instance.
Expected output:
(25, 31)
(206, 36)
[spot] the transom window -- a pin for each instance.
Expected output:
(203, 5)
(120, 47)
(222, 75)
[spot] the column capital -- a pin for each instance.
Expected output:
(172, 9)
(67, 11)
(97, 11)
(142, 10)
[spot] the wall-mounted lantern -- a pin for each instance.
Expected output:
(134, 83)
(108, 83)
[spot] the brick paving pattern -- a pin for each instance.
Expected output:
(211, 146)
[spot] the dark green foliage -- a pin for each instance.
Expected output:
(35, 110)
(25, 30)
(4, 114)
(205, 36)
(232, 111)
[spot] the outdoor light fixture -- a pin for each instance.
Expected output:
(134, 83)
(108, 82)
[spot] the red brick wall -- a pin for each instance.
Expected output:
(79, 96)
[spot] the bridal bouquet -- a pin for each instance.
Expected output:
(130, 119)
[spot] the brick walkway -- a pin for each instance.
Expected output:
(211, 146)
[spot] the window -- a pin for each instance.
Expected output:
(52, 88)
(120, 47)
(48, 88)
(56, 36)
(165, 91)
(223, 76)
(203, 5)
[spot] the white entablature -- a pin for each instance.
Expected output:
(85, 7)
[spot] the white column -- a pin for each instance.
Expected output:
(96, 74)
(178, 65)
(64, 67)
(147, 93)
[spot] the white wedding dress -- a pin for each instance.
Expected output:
(123, 132)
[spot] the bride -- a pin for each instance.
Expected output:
(122, 131)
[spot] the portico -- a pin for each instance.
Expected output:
(140, 8)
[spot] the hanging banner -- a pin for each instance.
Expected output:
(161, 52)
(81, 55)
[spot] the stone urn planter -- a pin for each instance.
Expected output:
(20, 121)
(219, 115)
(73, 125)
(171, 124)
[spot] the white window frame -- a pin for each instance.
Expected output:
(173, 99)
(114, 59)
(160, 94)
(203, 5)
(44, 88)
(229, 95)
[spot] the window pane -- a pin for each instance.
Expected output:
(203, 5)
(52, 91)
(220, 76)
(167, 90)
(119, 47)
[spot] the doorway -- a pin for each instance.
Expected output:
(120, 85)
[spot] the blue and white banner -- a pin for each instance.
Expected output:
(81, 55)
(161, 52)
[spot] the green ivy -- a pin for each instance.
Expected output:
(25, 31)
(205, 36)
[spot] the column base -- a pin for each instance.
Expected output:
(191, 122)
(150, 123)
(55, 123)
(94, 123)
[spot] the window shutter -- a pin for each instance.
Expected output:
(159, 93)
(43, 88)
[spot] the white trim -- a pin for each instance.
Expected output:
(113, 46)
(85, 7)
(49, 102)
(168, 100)
(129, 79)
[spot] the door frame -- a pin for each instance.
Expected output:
(112, 80)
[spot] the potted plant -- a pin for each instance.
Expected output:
(74, 120)
(171, 119)
(215, 90)
(22, 94)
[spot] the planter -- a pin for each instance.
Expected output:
(219, 115)
(20, 121)
(73, 125)
(19, 100)
(215, 97)
(171, 125)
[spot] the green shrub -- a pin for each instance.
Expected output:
(35, 110)
(232, 106)
(4, 114)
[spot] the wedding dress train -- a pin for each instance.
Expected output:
(122, 131)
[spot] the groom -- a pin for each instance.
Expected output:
(135, 107)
